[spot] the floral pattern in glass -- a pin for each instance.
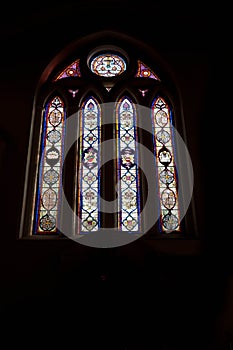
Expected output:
(89, 180)
(128, 175)
(50, 171)
(165, 165)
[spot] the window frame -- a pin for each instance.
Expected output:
(47, 87)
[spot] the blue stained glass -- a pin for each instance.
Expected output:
(165, 165)
(89, 184)
(145, 72)
(128, 175)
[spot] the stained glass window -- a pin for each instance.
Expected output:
(73, 70)
(145, 72)
(108, 65)
(50, 170)
(88, 183)
(89, 178)
(127, 169)
(165, 165)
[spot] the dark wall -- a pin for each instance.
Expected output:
(173, 294)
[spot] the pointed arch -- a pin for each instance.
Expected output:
(127, 165)
(161, 114)
(88, 165)
(135, 83)
(50, 167)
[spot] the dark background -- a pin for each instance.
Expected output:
(146, 295)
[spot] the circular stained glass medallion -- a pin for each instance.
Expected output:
(170, 222)
(108, 65)
(47, 222)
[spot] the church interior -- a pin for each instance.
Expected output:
(163, 294)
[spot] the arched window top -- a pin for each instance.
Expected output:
(125, 103)
(107, 64)
(74, 60)
(100, 73)
(127, 167)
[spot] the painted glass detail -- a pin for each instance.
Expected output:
(108, 65)
(145, 72)
(165, 165)
(127, 167)
(89, 179)
(73, 70)
(50, 171)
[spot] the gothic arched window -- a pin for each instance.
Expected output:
(118, 97)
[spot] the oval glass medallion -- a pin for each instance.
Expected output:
(107, 65)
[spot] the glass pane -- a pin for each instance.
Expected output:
(50, 169)
(108, 65)
(127, 170)
(145, 72)
(165, 165)
(73, 70)
(89, 161)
